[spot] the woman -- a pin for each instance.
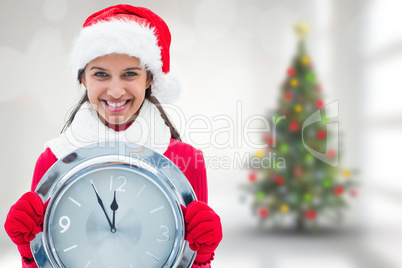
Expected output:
(121, 57)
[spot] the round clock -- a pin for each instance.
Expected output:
(113, 205)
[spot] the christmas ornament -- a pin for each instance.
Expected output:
(346, 173)
(284, 147)
(263, 212)
(305, 60)
(319, 104)
(307, 197)
(288, 96)
(327, 183)
(260, 195)
(280, 180)
(294, 126)
(298, 108)
(338, 190)
(294, 82)
(310, 77)
(321, 134)
(309, 158)
(291, 71)
(310, 214)
(331, 153)
(252, 176)
(284, 208)
(297, 172)
(259, 154)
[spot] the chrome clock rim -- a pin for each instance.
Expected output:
(167, 174)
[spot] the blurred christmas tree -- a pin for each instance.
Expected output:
(298, 177)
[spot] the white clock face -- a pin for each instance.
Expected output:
(136, 227)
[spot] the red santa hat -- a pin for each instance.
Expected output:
(135, 31)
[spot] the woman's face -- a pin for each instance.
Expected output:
(116, 85)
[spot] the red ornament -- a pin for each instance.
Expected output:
(252, 176)
(297, 171)
(321, 134)
(319, 104)
(338, 190)
(291, 71)
(268, 138)
(310, 214)
(288, 96)
(263, 212)
(280, 180)
(331, 153)
(294, 126)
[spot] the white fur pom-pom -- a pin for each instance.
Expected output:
(165, 88)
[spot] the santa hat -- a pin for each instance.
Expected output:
(135, 31)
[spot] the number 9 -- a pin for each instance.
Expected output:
(64, 225)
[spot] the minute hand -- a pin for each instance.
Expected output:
(101, 204)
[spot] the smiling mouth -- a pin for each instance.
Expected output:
(116, 104)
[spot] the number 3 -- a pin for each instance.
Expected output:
(165, 234)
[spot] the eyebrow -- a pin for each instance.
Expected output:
(127, 69)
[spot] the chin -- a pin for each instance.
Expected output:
(116, 120)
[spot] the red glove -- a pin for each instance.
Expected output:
(24, 221)
(203, 230)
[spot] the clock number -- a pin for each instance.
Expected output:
(64, 223)
(119, 178)
(165, 234)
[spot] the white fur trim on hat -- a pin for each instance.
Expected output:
(122, 36)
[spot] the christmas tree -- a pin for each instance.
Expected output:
(307, 184)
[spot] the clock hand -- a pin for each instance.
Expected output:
(114, 206)
(101, 204)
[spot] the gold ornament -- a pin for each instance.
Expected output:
(346, 173)
(302, 29)
(305, 60)
(259, 154)
(284, 208)
(294, 82)
(298, 108)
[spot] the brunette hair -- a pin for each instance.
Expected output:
(148, 95)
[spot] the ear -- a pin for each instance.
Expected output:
(83, 81)
(149, 79)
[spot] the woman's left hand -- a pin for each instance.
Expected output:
(203, 230)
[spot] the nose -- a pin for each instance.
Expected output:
(116, 88)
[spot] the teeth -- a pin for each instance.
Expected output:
(115, 105)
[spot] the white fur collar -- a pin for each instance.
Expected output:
(148, 129)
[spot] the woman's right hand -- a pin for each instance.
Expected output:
(24, 221)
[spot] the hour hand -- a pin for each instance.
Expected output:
(101, 205)
(114, 206)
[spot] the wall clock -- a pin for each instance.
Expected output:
(113, 205)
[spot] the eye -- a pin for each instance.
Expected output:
(130, 74)
(100, 74)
